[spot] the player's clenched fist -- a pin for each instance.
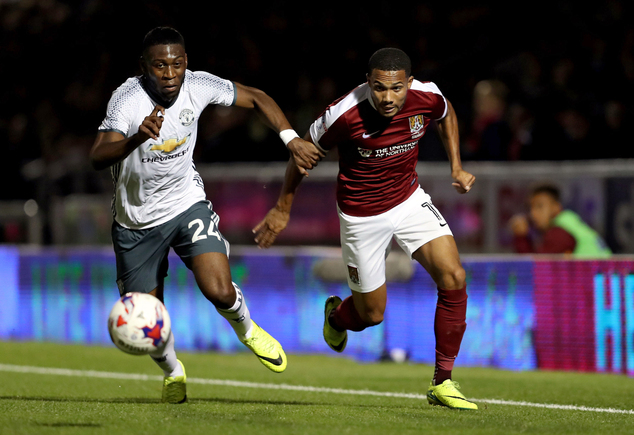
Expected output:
(151, 125)
(463, 181)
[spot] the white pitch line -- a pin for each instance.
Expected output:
(242, 384)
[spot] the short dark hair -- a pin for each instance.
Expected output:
(547, 188)
(162, 36)
(390, 59)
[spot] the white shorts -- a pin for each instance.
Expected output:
(365, 241)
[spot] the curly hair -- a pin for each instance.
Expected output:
(390, 59)
(162, 36)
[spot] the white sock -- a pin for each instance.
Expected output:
(166, 359)
(238, 315)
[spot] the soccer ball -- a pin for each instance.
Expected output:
(139, 324)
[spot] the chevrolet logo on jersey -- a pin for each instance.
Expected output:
(169, 145)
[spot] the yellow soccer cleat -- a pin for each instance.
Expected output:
(175, 388)
(337, 340)
(448, 394)
(267, 349)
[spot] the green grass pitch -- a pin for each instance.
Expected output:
(83, 399)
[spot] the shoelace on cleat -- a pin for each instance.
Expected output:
(456, 385)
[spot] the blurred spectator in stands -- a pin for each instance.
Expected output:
(490, 134)
(578, 139)
(545, 94)
(614, 135)
(521, 124)
(559, 231)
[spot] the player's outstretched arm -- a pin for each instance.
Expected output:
(111, 147)
(277, 218)
(448, 131)
(306, 154)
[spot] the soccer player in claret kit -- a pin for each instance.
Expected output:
(376, 128)
(147, 140)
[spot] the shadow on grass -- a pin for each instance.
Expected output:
(143, 400)
(81, 399)
(63, 424)
(220, 400)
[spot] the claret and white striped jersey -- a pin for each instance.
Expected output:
(158, 180)
(377, 155)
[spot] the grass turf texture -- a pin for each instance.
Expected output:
(52, 404)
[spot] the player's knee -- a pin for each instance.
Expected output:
(454, 278)
(221, 295)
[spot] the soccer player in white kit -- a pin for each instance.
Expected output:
(147, 140)
(376, 128)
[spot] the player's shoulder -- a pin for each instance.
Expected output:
(129, 92)
(344, 104)
(202, 79)
(131, 86)
(425, 86)
(205, 88)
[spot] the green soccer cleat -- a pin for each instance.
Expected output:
(337, 340)
(267, 349)
(448, 394)
(175, 388)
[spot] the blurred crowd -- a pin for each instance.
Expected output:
(528, 82)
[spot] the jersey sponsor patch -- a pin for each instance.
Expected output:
(161, 158)
(387, 151)
(169, 145)
(364, 152)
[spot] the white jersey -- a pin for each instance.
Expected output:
(158, 180)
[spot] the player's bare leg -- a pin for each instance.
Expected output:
(355, 313)
(371, 305)
(360, 310)
(213, 276)
(441, 260)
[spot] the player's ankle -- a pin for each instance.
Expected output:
(333, 323)
(441, 376)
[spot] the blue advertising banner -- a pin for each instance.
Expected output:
(522, 313)
(65, 296)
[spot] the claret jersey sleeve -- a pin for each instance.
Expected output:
(437, 102)
(331, 127)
